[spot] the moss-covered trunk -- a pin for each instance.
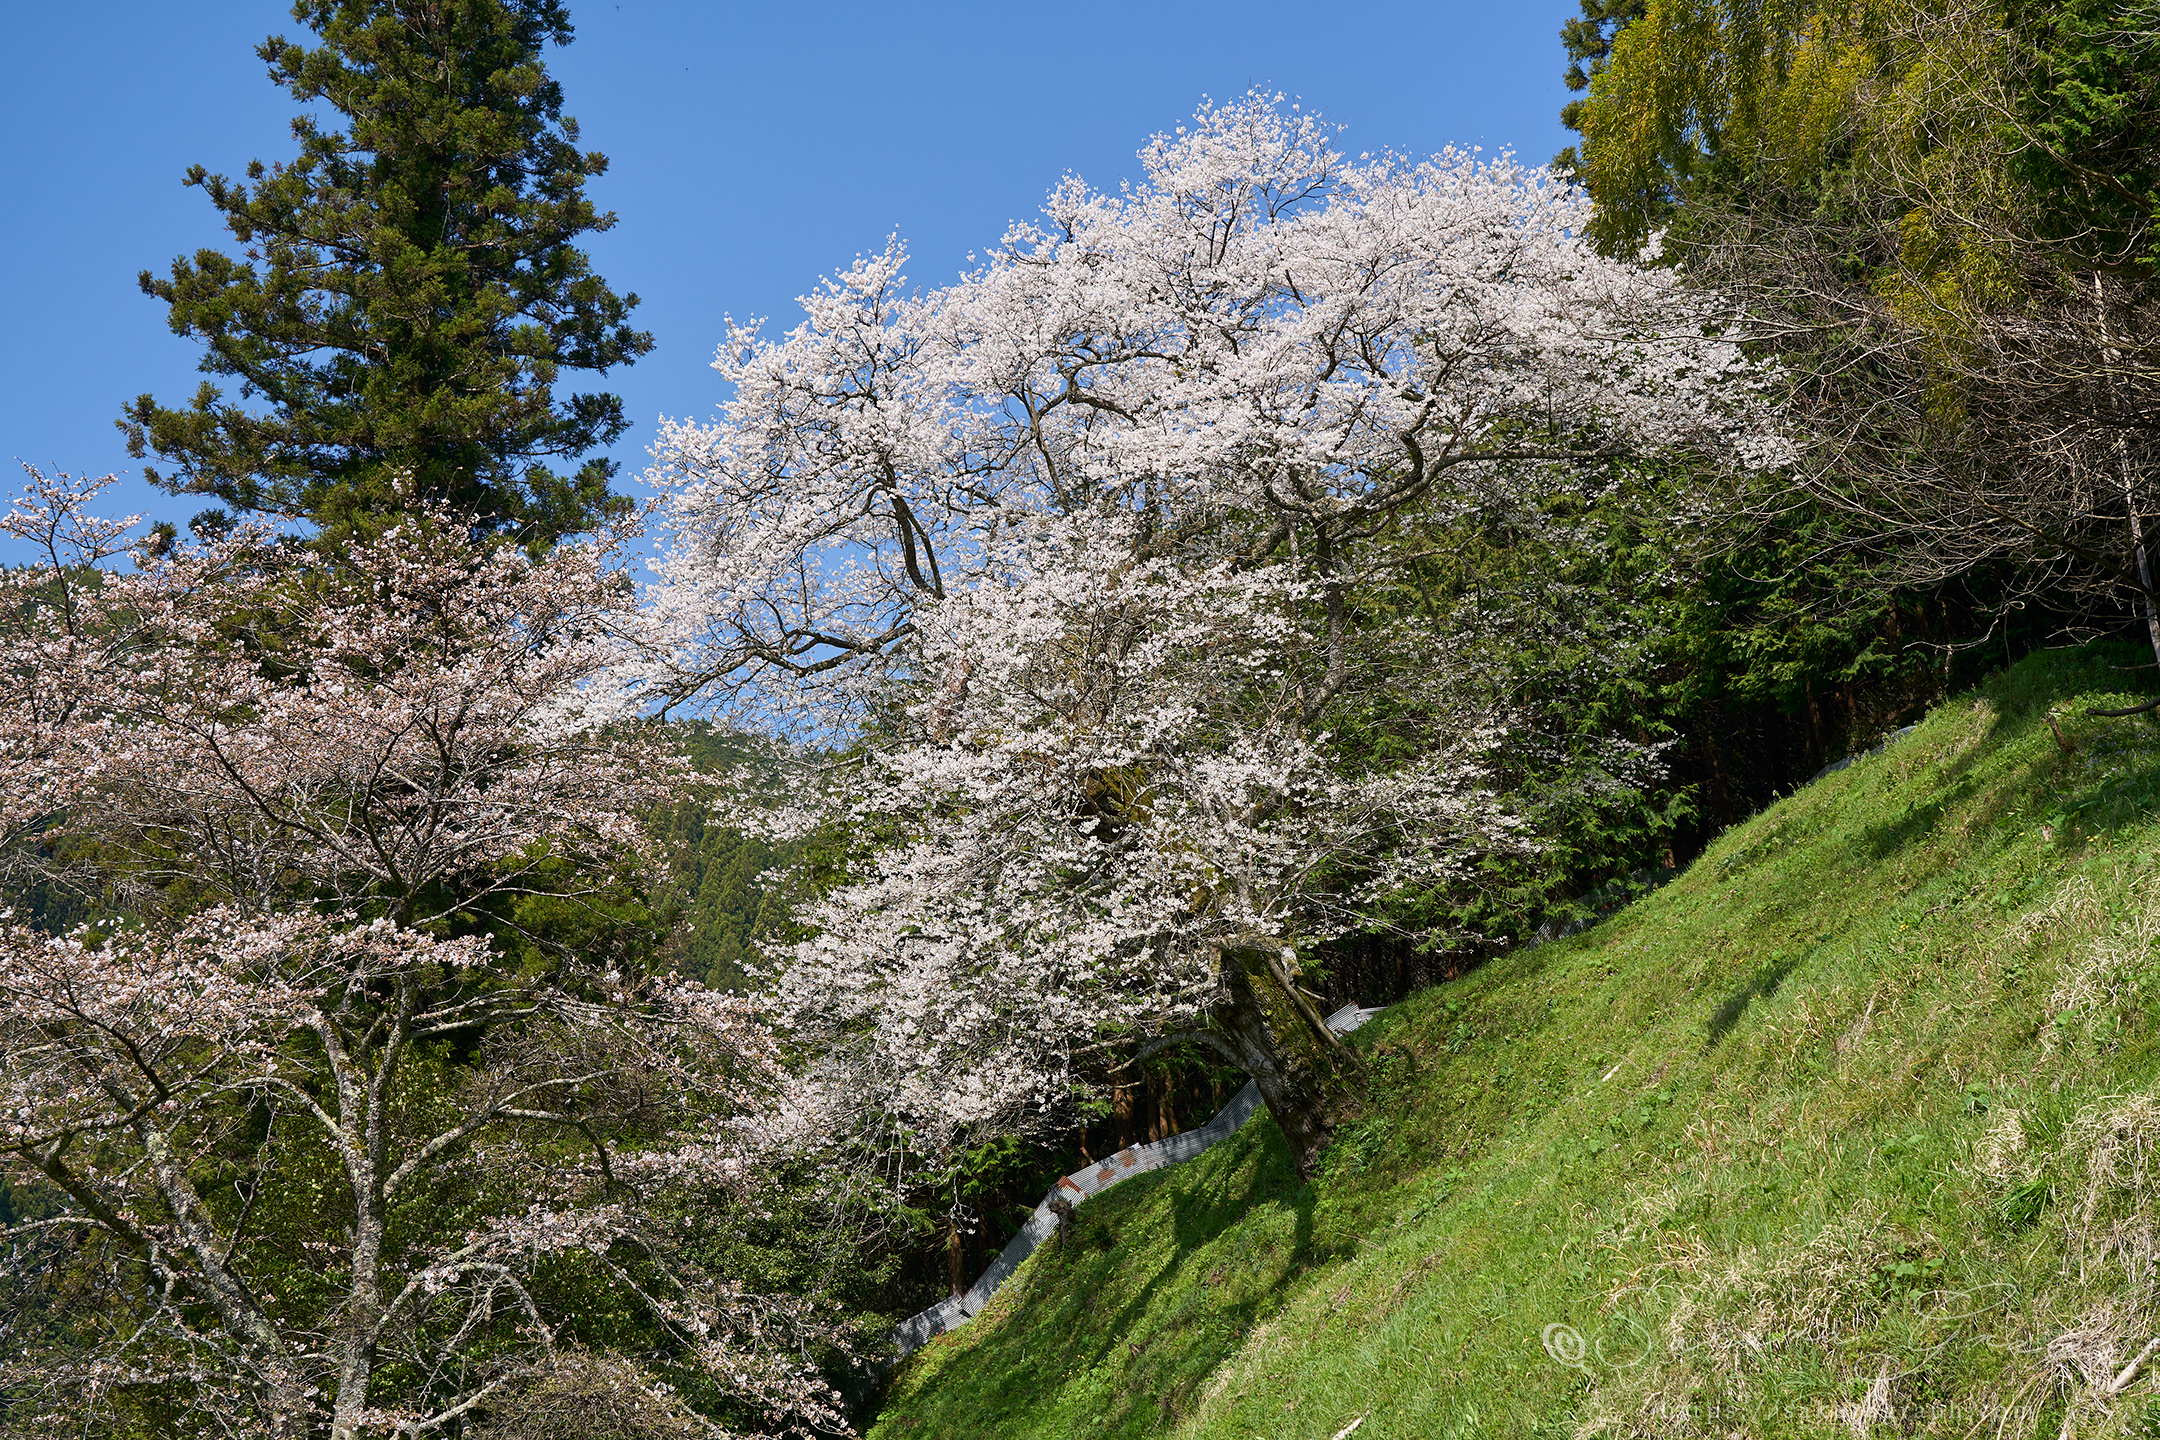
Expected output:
(1276, 1036)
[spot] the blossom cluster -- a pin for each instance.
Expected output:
(1073, 561)
(301, 774)
(238, 714)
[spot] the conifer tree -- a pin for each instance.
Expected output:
(2091, 105)
(408, 290)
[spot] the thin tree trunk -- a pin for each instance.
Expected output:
(2137, 536)
(2129, 486)
(284, 1395)
(1274, 1037)
(364, 1097)
(1818, 753)
(356, 1366)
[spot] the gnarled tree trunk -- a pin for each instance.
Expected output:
(1276, 1036)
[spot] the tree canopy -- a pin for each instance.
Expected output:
(333, 1158)
(1084, 552)
(409, 291)
(1964, 109)
(1588, 40)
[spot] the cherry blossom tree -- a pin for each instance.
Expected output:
(55, 641)
(405, 731)
(1076, 553)
(299, 1150)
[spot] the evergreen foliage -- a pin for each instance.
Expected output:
(1751, 661)
(1937, 213)
(721, 882)
(409, 290)
(730, 892)
(2092, 107)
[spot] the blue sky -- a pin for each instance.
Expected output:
(753, 149)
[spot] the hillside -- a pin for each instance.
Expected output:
(1853, 1129)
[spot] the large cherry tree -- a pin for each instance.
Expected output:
(1076, 557)
(294, 1144)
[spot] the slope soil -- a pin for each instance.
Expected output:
(1852, 1130)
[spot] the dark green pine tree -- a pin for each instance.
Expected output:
(408, 291)
(2091, 103)
(1589, 41)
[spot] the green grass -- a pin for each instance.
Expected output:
(1854, 1129)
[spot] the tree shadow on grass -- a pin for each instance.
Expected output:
(1168, 1374)
(1154, 1352)
(1759, 986)
(1886, 838)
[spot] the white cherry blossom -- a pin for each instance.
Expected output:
(1075, 558)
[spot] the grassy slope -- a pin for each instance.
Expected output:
(1843, 1132)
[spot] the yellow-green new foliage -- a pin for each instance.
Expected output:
(1906, 93)
(1682, 81)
